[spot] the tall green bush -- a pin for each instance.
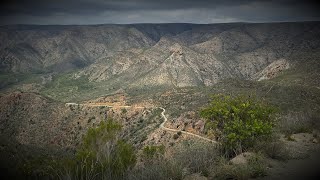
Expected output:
(151, 152)
(102, 155)
(238, 121)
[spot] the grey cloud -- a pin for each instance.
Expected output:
(42, 7)
(134, 11)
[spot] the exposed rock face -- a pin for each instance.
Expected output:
(200, 125)
(174, 55)
(273, 69)
(188, 122)
(61, 48)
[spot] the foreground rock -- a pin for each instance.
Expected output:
(242, 158)
(195, 177)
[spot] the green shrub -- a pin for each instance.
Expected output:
(225, 170)
(123, 110)
(256, 167)
(196, 157)
(102, 155)
(162, 169)
(101, 145)
(238, 121)
(150, 152)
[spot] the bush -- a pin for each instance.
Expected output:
(151, 152)
(123, 110)
(157, 165)
(175, 136)
(273, 148)
(196, 157)
(238, 121)
(102, 155)
(158, 170)
(91, 118)
(254, 168)
(257, 166)
(297, 122)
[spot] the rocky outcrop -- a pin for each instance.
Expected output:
(273, 69)
(174, 55)
(62, 48)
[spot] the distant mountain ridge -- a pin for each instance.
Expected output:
(158, 54)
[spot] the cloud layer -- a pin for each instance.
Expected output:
(155, 11)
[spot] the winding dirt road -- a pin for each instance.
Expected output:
(183, 132)
(140, 107)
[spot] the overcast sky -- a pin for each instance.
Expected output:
(155, 11)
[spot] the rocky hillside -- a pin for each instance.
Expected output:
(60, 48)
(47, 71)
(33, 120)
(176, 55)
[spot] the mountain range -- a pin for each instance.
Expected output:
(59, 81)
(170, 55)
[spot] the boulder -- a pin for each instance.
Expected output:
(200, 125)
(195, 177)
(242, 158)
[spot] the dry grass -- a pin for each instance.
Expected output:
(256, 167)
(196, 157)
(157, 170)
(298, 122)
(273, 148)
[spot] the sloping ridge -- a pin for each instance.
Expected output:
(162, 125)
(183, 132)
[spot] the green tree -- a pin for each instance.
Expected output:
(238, 121)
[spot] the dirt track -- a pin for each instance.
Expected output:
(183, 132)
(140, 107)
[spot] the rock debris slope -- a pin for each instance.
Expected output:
(176, 55)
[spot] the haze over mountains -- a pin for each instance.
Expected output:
(176, 55)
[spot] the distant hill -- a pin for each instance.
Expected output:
(175, 55)
(49, 76)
